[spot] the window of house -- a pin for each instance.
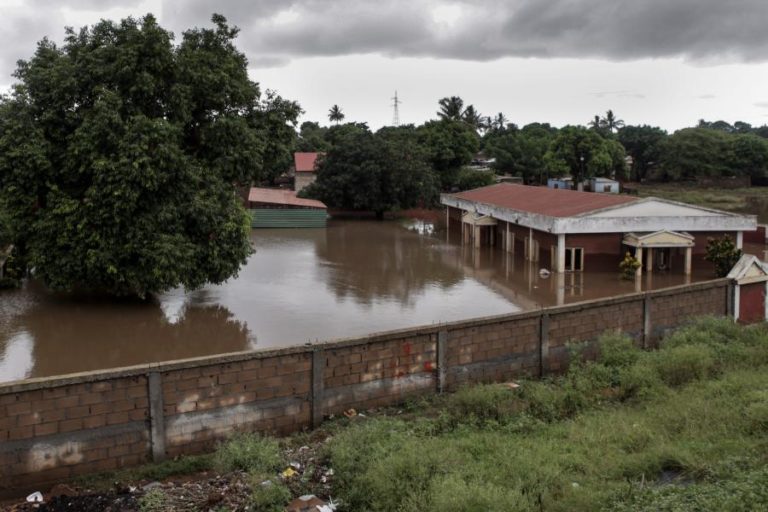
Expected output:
(574, 259)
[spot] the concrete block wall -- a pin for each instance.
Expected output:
(53, 429)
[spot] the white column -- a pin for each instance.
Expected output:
(476, 232)
(560, 259)
(530, 244)
(736, 301)
(639, 257)
(688, 255)
(447, 223)
(649, 262)
(559, 280)
(739, 239)
(506, 240)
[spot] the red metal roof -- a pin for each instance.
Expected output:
(282, 197)
(542, 200)
(305, 162)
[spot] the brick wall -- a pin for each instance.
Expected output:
(53, 429)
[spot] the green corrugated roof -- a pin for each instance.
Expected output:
(288, 218)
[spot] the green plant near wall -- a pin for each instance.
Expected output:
(628, 266)
(723, 253)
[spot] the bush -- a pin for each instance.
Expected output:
(617, 350)
(680, 365)
(639, 381)
(249, 452)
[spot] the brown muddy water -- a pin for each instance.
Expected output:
(301, 285)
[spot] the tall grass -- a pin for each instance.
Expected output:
(633, 430)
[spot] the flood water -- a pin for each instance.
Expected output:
(300, 286)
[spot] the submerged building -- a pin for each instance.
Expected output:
(279, 208)
(568, 230)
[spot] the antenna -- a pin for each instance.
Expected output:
(396, 114)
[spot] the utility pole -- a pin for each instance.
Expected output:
(396, 114)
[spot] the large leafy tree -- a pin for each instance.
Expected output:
(693, 152)
(277, 118)
(450, 144)
(312, 137)
(643, 144)
(583, 154)
(375, 172)
(120, 152)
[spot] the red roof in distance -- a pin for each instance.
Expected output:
(282, 197)
(305, 162)
(542, 200)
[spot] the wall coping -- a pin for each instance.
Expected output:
(19, 386)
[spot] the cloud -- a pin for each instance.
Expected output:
(761, 104)
(706, 97)
(24, 23)
(696, 30)
(275, 31)
(618, 94)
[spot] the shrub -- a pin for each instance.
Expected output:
(617, 350)
(628, 266)
(680, 365)
(639, 381)
(249, 452)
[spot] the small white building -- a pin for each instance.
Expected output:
(604, 185)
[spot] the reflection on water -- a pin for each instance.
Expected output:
(301, 285)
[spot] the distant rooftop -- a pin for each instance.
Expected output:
(281, 197)
(305, 162)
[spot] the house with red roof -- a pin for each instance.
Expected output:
(571, 231)
(305, 169)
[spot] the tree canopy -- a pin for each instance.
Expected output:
(583, 154)
(120, 153)
(378, 172)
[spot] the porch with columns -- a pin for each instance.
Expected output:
(648, 244)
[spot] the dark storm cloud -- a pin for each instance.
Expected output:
(696, 30)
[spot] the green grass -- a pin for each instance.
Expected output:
(737, 199)
(634, 431)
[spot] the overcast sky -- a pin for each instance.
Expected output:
(661, 62)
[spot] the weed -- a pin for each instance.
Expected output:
(249, 452)
(269, 494)
(152, 501)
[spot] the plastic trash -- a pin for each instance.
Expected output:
(288, 473)
(295, 465)
(349, 413)
(35, 497)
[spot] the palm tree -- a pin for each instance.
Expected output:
(335, 114)
(472, 117)
(499, 122)
(451, 108)
(596, 124)
(611, 123)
